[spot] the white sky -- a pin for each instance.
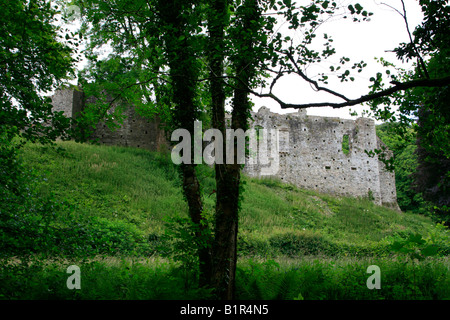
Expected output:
(358, 41)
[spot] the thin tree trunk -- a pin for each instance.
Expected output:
(191, 188)
(227, 186)
(225, 242)
(228, 176)
(183, 73)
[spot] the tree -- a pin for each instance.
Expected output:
(247, 28)
(403, 145)
(432, 177)
(33, 61)
(188, 58)
(428, 106)
(178, 22)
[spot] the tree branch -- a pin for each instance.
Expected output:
(314, 83)
(441, 82)
(404, 16)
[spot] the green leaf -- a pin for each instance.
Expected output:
(396, 246)
(351, 8)
(416, 238)
(430, 250)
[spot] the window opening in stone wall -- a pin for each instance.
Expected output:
(258, 133)
(345, 144)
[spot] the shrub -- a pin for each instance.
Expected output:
(301, 243)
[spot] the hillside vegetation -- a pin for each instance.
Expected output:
(136, 190)
(113, 204)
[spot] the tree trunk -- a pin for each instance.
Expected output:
(184, 72)
(228, 176)
(219, 269)
(225, 242)
(191, 189)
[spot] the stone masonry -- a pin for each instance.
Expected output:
(135, 131)
(312, 157)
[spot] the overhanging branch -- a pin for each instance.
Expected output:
(313, 82)
(441, 82)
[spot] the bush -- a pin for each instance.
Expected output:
(301, 243)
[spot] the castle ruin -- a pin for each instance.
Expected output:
(321, 153)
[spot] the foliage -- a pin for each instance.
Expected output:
(162, 62)
(281, 279)
(345, 144)
(34, 60)
(35, 220)
(182, 240)
(104, 203)
(416, 246)
(104, 229)
(101, 279)
(428, 107)
(432, 177)
(403, 145)
(343, 279)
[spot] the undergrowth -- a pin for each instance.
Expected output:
(81, 202)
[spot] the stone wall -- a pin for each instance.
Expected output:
(387, 181)
(312, 156)
(69, 101)
(135, 130)
(310, 149)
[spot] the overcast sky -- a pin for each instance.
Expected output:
(358, 41)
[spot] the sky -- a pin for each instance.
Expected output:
(358, 41)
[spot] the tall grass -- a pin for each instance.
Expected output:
(318, 279)
(108, 216)
(281, 279)
(136, 189)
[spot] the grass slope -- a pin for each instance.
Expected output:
(135, 190)
(107, 213)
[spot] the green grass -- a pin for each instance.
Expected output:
(129, 185)
(331, 279)
(136, 190)
(281, 279)
(109, 207)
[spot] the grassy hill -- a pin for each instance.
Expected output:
(136, 190)
(118, 203)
